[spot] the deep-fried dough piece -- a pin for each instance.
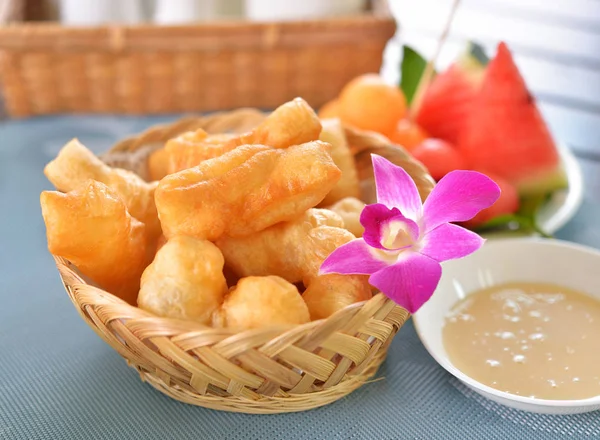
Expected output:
(219, 138)
(90, 227)
(192, 148)
(158, 164)
(261, 302)
(184, 281)
(189, 138)
(323, 241)
(285, 249)
(245, 190)
(186, 151)
(292, 123)
(348, 185)
(75, 164)
(160, 242)
(327, 294)
(197, 201)
(350, 209)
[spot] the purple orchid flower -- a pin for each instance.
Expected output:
(405, 241)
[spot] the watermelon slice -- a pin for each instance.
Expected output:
(506, 134)
(446, 104)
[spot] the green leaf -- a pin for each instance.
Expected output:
(530, 205)
(507, 223)
(514, 223)
(520, 223)
(412, 68)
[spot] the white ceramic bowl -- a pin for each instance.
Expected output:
(501, 261)
(563, 204)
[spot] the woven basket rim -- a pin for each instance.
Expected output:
(367, 16)
(33, 36)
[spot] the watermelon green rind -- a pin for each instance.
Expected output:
(543, 182)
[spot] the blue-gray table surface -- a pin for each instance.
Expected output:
(58, 380)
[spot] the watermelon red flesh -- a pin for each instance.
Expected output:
(445, 107)
(506, 134)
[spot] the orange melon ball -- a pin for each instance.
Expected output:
(330, 109)
(408, 134)
(369, 103)
(439, 157)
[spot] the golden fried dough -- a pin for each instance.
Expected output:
(186, 151)
(322, 240)
(292, 123)
(286, 249)
(189, 138)
(261, 302)
(219, 138)
(192, 148)
(349, 209)
(327, 294)
(348, 185)
(90, 227)
(198, 201)
(160, 242)
(245, 191)
(75, 164)
(158, 164)
(184, 281)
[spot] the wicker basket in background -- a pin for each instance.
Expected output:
(47, 68)
(11, 11)
(269, 370)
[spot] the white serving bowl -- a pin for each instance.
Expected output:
(563, 204)
(501, 261)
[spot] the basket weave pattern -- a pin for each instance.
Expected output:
(150, 69)
(268, 370)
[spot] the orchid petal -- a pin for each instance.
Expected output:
(410, 282)
(376, 217)
(458, 197)
(395, 188)
(353, 258)
(448, 241)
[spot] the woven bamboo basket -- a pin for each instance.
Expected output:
(47, 68)
(269, 370)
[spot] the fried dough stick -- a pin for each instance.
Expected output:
(245, 191)
(91, 227)
(75, 164)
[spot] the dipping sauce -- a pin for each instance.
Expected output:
(529, 339)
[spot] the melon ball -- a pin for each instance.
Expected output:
(368, 102)
(439, 157)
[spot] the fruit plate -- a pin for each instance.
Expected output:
(563, 204)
